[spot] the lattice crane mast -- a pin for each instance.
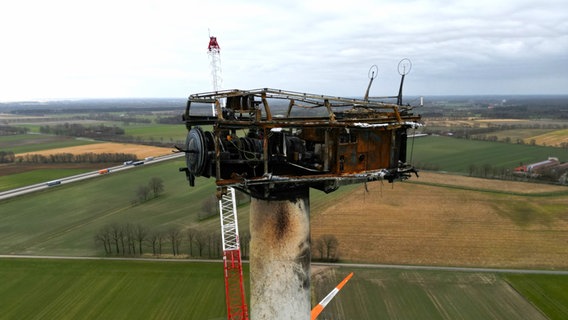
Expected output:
(214, 53)
(234, 287)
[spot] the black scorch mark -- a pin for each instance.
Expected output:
(282, 221)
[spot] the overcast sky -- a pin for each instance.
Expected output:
(158, 48)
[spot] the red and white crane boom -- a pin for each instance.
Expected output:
(234, 287)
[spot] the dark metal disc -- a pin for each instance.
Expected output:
(196, 151)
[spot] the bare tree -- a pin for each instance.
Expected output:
(174, 235)
(213, 244)
(129, 237)
(153, 240)
(209, 207)
(330, 246)
(217, 243)
(190, 237)
(143, 193)
(319, 246)
(156, 238)
(160, 241)
(116, 235)
(103, 236)
(140, 234)
(200, 242)
(156, 185)
(244, 242)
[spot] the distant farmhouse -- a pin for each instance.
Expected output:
(551, 169)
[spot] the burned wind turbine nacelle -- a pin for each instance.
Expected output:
(268, 141)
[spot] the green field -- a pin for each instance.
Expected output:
(35, 142)
(17, 180)
(515, 134)
(95, 289)
(63, 220)
(122, 289)
(548, 292)
(423, 294)
(158, 132)
(456, 155)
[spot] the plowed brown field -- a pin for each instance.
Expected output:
(141, 151)
(413, 223)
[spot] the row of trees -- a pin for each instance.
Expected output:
(326, 247)
(7, 157)
(177, 120)
(137, 240)
(11, 130)
(489, 171)
(519, 107)
(90, 157)
(151, 141)
(124, 118)
(79, 130)
(107, 133)
(494, 138)
(552, 174)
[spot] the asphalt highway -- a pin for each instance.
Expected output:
(79, 177)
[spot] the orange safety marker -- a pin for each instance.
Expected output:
(319, 308)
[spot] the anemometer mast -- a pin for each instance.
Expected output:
(404, 67)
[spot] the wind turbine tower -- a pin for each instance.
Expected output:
(276, 159)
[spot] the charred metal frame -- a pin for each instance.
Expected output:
(259, 150)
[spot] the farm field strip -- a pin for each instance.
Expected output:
(505, 192)
(421, 294)
(94, 289)
(451, 226)
(410, 223)
(553, 138)
(487, 184)
(38, 142)
(63, 220)
(33, 177)
(141, 151)
(545, 291)
(88, 289)
(457, 155)
(62, 230)
(158, 132)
